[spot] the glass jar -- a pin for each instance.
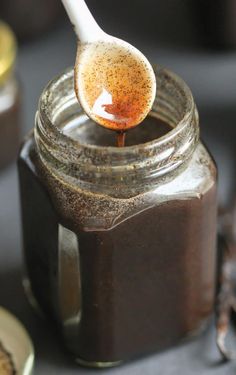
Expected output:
(119, 243)
(10, 103)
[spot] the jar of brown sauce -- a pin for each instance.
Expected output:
(119, 243)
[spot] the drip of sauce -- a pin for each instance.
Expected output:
(114, 86)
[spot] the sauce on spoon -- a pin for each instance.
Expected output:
(114, 81)
(114, 85)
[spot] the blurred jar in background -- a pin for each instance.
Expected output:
(216, 20)
(161, 21)
(9, 97)
(30, 18)
(191, 23)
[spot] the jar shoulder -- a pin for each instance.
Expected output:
(98, 211)
(198, 177)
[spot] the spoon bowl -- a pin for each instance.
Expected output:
(114, 82)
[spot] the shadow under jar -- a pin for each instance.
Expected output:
(119, 243)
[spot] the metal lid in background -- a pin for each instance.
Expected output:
(16, 348)
(8, 48)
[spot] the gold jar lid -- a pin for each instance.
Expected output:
(16, 347)
(8, 47)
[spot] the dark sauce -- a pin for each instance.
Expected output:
(89, 133)
(144, 284)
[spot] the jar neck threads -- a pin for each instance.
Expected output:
(135, 168)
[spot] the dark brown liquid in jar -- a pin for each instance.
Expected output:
(124, 269)
(89, 133)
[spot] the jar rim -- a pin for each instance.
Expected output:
(42, 107)
(100, 165)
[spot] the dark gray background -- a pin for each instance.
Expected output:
(212, 78)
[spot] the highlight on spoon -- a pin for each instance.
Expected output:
(114, 83)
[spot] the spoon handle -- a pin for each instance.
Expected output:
(86, 28)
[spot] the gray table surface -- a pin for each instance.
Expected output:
(212, 78)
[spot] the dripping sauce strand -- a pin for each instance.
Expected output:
(121, 138)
